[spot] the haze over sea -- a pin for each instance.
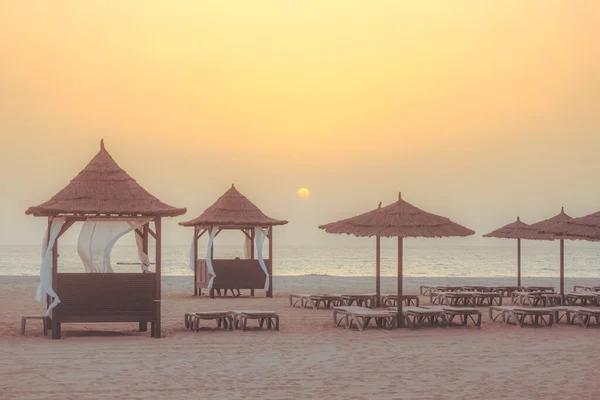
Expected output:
(422, 258)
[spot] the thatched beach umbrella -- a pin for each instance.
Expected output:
(541, 227)
(400, 220)
(517, 230)
(582, 228)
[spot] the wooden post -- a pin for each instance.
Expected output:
(55, 322)
(518, 262)
(378, 270)
(400, 282)
(270, 266)
(562, 267)
(48, 301)
(143, 326)
(212, 254)
(156, 326)
(252, 240)
(196, 290)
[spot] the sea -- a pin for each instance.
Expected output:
(422, 258)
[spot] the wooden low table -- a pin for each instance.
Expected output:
(44, 319)
(464, 314)
(224, 319)
(326, 301)
(391, 300)
(536, 315)
(361, 300)
(241, 317)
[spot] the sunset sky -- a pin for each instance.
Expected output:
(475, 110)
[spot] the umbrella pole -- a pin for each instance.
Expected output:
(562, 267)
(518, 262)
(400, 314)
(378, 270)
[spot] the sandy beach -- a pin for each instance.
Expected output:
(306, 359)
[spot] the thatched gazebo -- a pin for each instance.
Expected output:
(542, 235)
(110, 204)
(401, 220)
(233, 211)
(516, 230)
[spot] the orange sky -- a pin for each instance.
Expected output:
(475, 110)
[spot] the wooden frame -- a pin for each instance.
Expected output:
(199, 273)
(82, 293)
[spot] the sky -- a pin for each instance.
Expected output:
(478, 111)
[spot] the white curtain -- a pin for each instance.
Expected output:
(98, 237)
(260, 236)
(192, 255)
(209, 265)
(45, 286)
(247, 245)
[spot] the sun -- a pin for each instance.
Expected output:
(303, 193)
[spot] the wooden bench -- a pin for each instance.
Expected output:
(241, 317)
(45, 323)
(223, 318)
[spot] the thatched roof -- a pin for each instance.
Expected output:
(399, 219)
(582, 228)
(235, 210)
(104, 188)
(542, 226)
(515, 230)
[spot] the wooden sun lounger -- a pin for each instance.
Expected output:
(417, 315)
(223, 318)
(483, 299)
(299, 299)
(583, 288)
(583, 298)
(325, 300)
(585, 316)
(455, 299)
(391, 300)
(507, 291)
(545, 289)
(463, 314)
(505, 312)
(361, 300)
(361, 316)
(529, 299)
(564, 312)
(536, 315)
(241, 317)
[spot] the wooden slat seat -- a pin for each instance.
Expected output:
(361, 316)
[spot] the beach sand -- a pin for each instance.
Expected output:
(307, 359)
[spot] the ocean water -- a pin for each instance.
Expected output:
(421, 259)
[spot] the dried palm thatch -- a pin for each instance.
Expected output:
(514, 230)
(399, 219)
(104, 188)
(582, 228)
(235, 210)
(542, 226)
